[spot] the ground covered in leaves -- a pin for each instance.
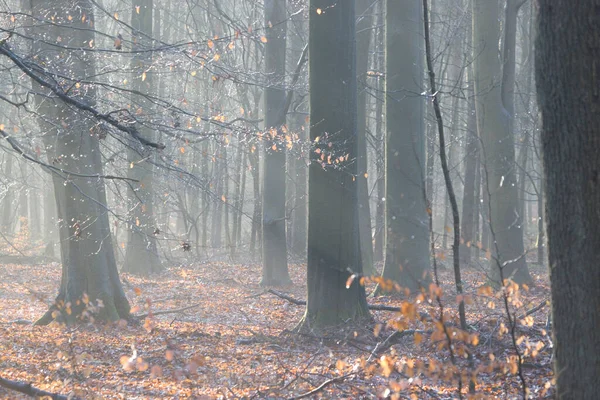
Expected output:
(238, 341)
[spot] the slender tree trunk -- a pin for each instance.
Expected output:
(7, 202)
(468, 226)
(364, 24)
(23, 210)
(379, 132)
(275, 267)
(298, 127)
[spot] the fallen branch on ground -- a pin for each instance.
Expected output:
(165, 312)
(321, 386)
(376, 307)
(534, 309)
(29, 390)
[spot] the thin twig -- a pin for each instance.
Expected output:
(322, 386)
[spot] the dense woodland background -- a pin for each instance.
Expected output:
(178, 176)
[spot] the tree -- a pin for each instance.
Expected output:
(71, 139)
(297, 29)
(141, 256)
(333, 232)
(364, 23)
(275, 268)
(407, 233)
(567, 59)
(498, 149)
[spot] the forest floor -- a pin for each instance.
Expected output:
(238, 342)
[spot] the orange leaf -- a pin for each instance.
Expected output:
(350, 280)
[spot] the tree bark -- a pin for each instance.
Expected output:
(407, 258)
(275, 267)
(568, 86)
(379, 63)
(333, 232)
(89, 271)
(467, 229)
(364, 24)
(498, 151)
(141, 254)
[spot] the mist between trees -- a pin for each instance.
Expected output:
(389, 167)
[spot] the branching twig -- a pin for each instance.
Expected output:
(52, 168)
(322, 386)
(81, 105)
(452, 197)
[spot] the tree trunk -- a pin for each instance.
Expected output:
(275, 267)
(568, 86)
(498, 156)
(333, 232)
(364, 24)
(407, 224)
(379, 133)
(89, 271)
(141, 254)
(467, 228)
(7, 206)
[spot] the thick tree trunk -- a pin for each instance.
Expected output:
(90, 280)
(333, 232)
(275, 267)
(141, 254)
(407, 233)
(498, 155)
(568, 87)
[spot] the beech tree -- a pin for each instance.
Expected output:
(275, 268)
(407, 226)
(89, 270)
(141, 256)
(567, 58)
(333, 231)
(507, 252)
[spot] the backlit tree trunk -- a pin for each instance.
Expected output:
(364, 23)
